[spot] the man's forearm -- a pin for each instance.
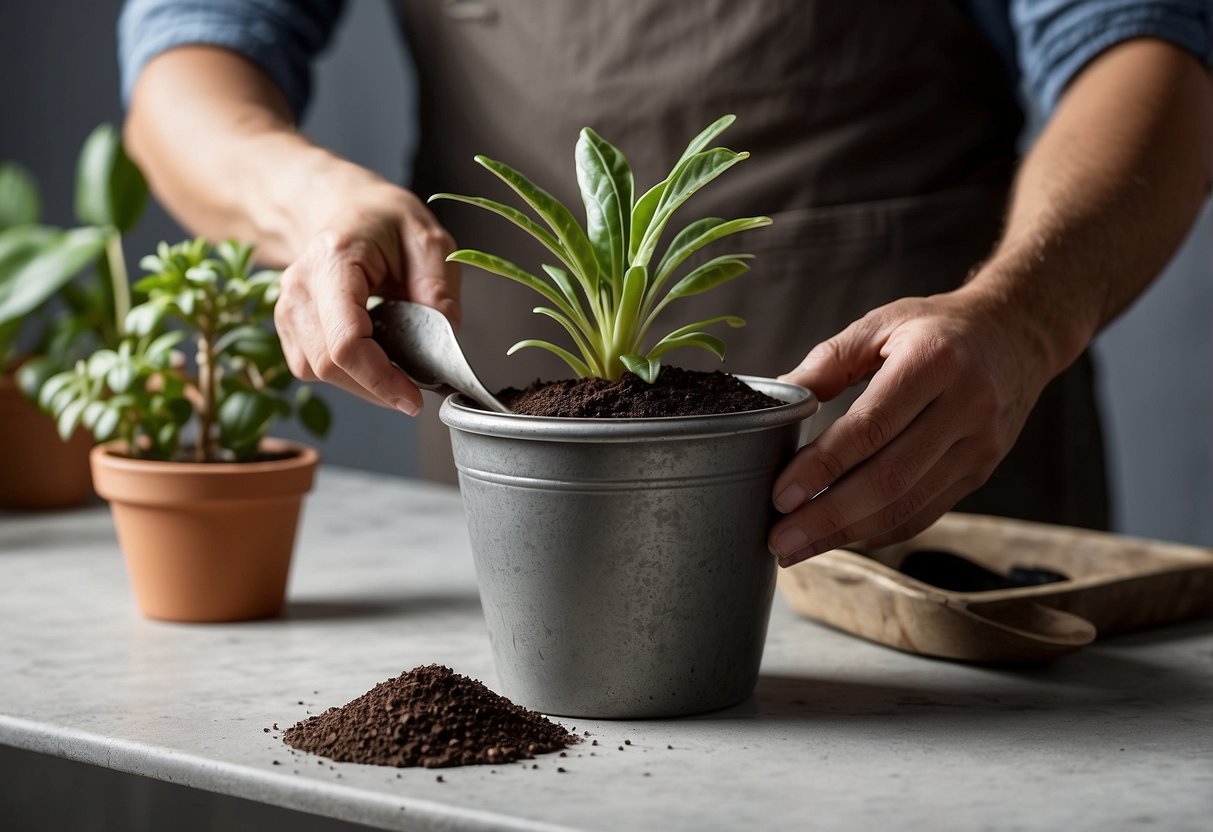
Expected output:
(215, 138)
(1106, 194)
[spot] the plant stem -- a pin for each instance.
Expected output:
(206, 387)
(122, 289)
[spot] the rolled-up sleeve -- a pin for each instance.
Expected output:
(280, 36)
(1057, 38)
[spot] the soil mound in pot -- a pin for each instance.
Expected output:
(676, 392)
(430, 717)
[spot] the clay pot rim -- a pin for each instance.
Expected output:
(109, 454)
(156, 482)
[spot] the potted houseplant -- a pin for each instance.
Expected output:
(622, 563)
(205, 507)
(39, 263)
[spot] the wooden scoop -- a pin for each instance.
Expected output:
(863, 596)
(1112, 584)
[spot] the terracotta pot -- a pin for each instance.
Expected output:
(206, 541)
(39, 470)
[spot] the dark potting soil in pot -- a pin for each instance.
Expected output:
(431, 717)
(676, 392)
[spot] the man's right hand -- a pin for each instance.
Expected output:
(381, 240)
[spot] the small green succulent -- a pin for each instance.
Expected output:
(607, 291)
(142, 392)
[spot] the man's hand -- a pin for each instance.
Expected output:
(231, 164)
(1101, 203)
(953, 379)
(382, 241)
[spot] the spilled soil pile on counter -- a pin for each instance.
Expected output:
(431, 717)
(676, 392)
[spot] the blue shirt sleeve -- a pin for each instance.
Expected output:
(280, 36)
(1057, 38)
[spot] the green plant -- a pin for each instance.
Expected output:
(38, 262)
(608, 294)
(142, 392)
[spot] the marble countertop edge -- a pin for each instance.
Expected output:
(347, 803)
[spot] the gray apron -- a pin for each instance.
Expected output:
(883, 140)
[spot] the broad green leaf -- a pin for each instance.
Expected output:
(249, 341)
(515, 216)
(153, 283)
(164, 343)
(166, 439)
(706, 136)
(642, 216)
(65, 397)
(313, 412)
(20, 203)
(144, 318)
(53, 386)
(648, 368)
(646, 207)
(37, 264)
(710, 275)
(69, 418)
(236, 256)
(265, 277)
(123, 401)
(567, 288)
(17, 241)
(33, 374)
(690, 175)
(697, 235)
(244, 416)
(627, 315)
(204, 274)
(583, 345)
(92, 411)
(504, 268)
(120, 376)
(579, 366)
(107, 423)
(9, 330)
(692, 339)
(187, 301)
(584, 264)
(18, 246)
(179, 410)
(110, 190)
(605, 178)
(731, 320)
(101, 362)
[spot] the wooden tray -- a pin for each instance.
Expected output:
(1114, 584)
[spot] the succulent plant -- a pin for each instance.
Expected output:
(605, 290)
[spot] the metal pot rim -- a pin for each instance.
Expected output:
(800, 404)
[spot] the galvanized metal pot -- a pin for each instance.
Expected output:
(622, 563)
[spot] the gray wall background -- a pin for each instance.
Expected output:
(57, 59)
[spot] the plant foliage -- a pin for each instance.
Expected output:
(605, 289)
(38, 262)
(141, 391)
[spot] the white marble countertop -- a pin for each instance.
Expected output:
(841, 734)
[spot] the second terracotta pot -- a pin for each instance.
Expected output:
(206, 541)
(38, 470)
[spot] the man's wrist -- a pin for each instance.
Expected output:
(1038, 303)
(299, 190)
